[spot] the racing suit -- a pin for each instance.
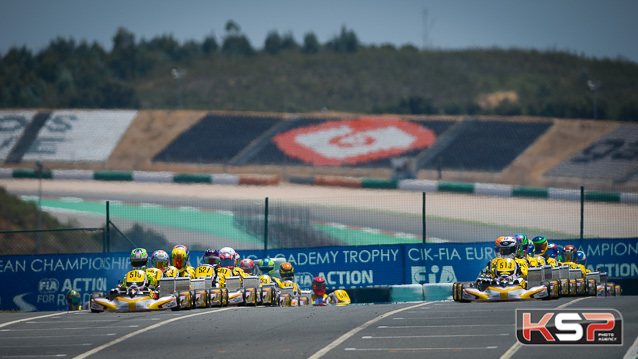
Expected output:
(223, 272)
(323, 300)
(536, 261)
(187, 271)
(522, 263)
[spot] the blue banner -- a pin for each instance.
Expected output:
(41, 282)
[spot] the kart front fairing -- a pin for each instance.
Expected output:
(128, 301)
(504, 291)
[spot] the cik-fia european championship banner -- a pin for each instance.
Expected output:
(41, 282)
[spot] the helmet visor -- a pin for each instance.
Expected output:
(507, 251)
(228, 263)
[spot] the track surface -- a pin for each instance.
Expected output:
(405, 330)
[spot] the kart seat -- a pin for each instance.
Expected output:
(534, 276)
(168, 286)
(575, 273)
(251, 282)
(202, 283)
(233, 283)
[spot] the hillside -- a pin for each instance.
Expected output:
(341, 75)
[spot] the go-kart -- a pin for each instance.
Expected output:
(338, 297)
(134, 295)
(506, 285)
(291, 296)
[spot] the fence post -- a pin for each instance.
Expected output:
(423, 218)
(266, 229)
(107, 244)
(582, 211)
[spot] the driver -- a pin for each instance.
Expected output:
(139, 261)
(73, 300)
(287, 274)
(570, 257)
(159, 261)
(180, 257)
(266, 267)
(510, 247)
(319, 296)
(248, 266)
(208, 268)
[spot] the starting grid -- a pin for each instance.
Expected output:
(41, 282)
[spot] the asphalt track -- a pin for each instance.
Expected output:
(402, 330)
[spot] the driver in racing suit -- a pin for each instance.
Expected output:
(227, 268)
(180, 257)
(510, 247)
(287, 274)
(319, 296)
(266, 267)
(139, 261)
(513, 250)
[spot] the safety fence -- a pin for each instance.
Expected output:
(274, 223)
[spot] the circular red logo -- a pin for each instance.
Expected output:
(348, 142)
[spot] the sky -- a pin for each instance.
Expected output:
(594, 28)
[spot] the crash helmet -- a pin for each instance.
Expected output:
(139, 258)
(248, 266)
(286, 271)
(179, 257)
(73, 299)
(497, 245)
(319, 286)
(226, 260)
(581, 258)
(211, 256)
(524, 247)
(160, 260)
(509, 247)
(569, 253)
(266, 266)
(540, 245)
(552, 251)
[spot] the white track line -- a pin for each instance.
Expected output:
(514, 348)
(354, 331)
(31, 318)
(632, 352)
(156, 325)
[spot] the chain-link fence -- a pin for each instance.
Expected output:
(52, 241)
(373, 219)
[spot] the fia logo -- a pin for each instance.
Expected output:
(48, 285)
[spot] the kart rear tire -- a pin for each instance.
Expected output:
(96, 295)
(177, 300)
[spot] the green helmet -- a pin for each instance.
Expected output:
(266, 266)
(524, 249)
(540, 245)
(139, 258)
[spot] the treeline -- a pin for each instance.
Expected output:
(342, 74)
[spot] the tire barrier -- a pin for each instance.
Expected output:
(142, 176)
(489, 189)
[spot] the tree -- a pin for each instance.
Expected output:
(122, 59)
(236, 44)
(210, 45)
(347, 41)
(272, 44)
(310, 44)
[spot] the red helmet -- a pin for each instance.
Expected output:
(570, 254)
(248, 266)
(227, 260)
(319, 286)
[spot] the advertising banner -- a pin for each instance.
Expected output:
(41, 282)
(37, 283)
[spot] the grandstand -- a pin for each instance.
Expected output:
(517, 151)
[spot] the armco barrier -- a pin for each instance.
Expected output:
(488, 189)
(142, 176)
